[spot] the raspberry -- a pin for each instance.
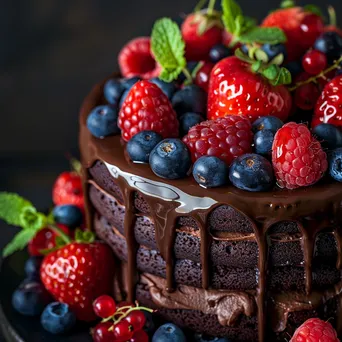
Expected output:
(315, 329)
(298, 158)
(135, 59)
(225, 138)
(147, 108)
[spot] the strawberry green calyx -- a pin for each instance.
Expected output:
(313, 9)
(287, 4)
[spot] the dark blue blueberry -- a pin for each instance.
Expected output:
(128, 83)
(190, 99)
(32, 267)
(335, 164)
(274, 50)
(263, 141)
(330, 43)
(102, 121)
(244, 49)
(113, 90)
(141, 145)
(219, 52)
(338, 71)
(169, 333)
(170, 159)
(68, 214)
(30, 298)
(123, 98)
(149, 326)
(252, 172)
(168, 88)
(204, 338)
(57, 318)
(210, 172)
(188, 120)
(295, 68)
(271, 123)
(328, 135)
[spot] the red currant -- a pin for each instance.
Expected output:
(314, 62)
(123, 331)
(104, 306)
(203, 75)
(306, 96)
(139, 336)
(101, 333)
(137, 319)
(123, 304)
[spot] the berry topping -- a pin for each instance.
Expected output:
(104, 306)
(210, 172)
(263, 141)
(219, 52)
(141, 145)
(225, 138)
(57, 318)
(168, 88)
(113, 90)
(298, 158)
(335, 164)
(137, 319)
(123, 331)
(188, 120)
(147, 108)
(202, 76)
(102, 121)
(170, 159)
(329, 43)
(271, 123)
(169, 333)
(135, 59)
(328, 135)
(274, 50)
(32, 267)
(140, 336)
(103, 333)
(69, 215)
(251, 172)
(314, 62)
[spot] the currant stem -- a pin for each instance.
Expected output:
(332, 16)
(60, 233)
(187, 76)
(211, 7)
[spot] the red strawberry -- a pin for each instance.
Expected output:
(197, 43)
(298, 158)
(315, 330)
(146, 107)
(225, 138)
(77, 274)
(329, 105)
(234, 89)
(68, 190)
(135, 59)
(301, 28)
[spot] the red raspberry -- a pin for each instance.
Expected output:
(298, 158)
(146, 107)
(315, 329)
(135, 59)
(225, 138)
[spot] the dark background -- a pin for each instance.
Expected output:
(52, 52)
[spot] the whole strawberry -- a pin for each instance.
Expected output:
(297, 157)
(146, 107)
(314, 330)
(225, 138)
(235, 89)
(78, 273)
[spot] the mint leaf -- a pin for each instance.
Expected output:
(231, 11)
(84, 236)
(168, 48)
(31, 219)
(263, 35)
(313, 9)
(283, 77)
(19, 242)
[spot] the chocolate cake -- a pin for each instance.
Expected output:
(221, 261)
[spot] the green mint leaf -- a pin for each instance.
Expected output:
(313, 9)
(84, 236)
(248, 23)
(263, 35)
(31, 219)
(168, 48)
(284, 77)
(231, 11)
(19, 242)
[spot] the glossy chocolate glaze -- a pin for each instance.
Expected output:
(314, 209)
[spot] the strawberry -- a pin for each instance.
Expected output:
(329, 105)
(313, 330)
(136, 59)
(146, 107)
(236, 90)
(297, 157)
(77, 274)
(68, 190)
(300, 26)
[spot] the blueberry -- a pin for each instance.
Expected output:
(32, 267)
(57, 318)
(330, 43)
(149, 326)
(168, 88)
(210, 172)
(169, 333)
(123, 98)
(273, 50)
(271, 123)
(252, 172)
(328, 135)
(113, 90)
(219, 52)
(30, 298)
(170, 159)
(295, 67)
(244, 49)
(102, 121)
(190, 99)
(141, 145)
(263, 141)
(188, 120)
(335, 164)
(204, 338)
(68, 214)
(128, 83)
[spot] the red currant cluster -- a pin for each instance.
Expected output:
(120, 323)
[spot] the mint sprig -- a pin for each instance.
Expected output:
(19, 241)
(263, 35)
